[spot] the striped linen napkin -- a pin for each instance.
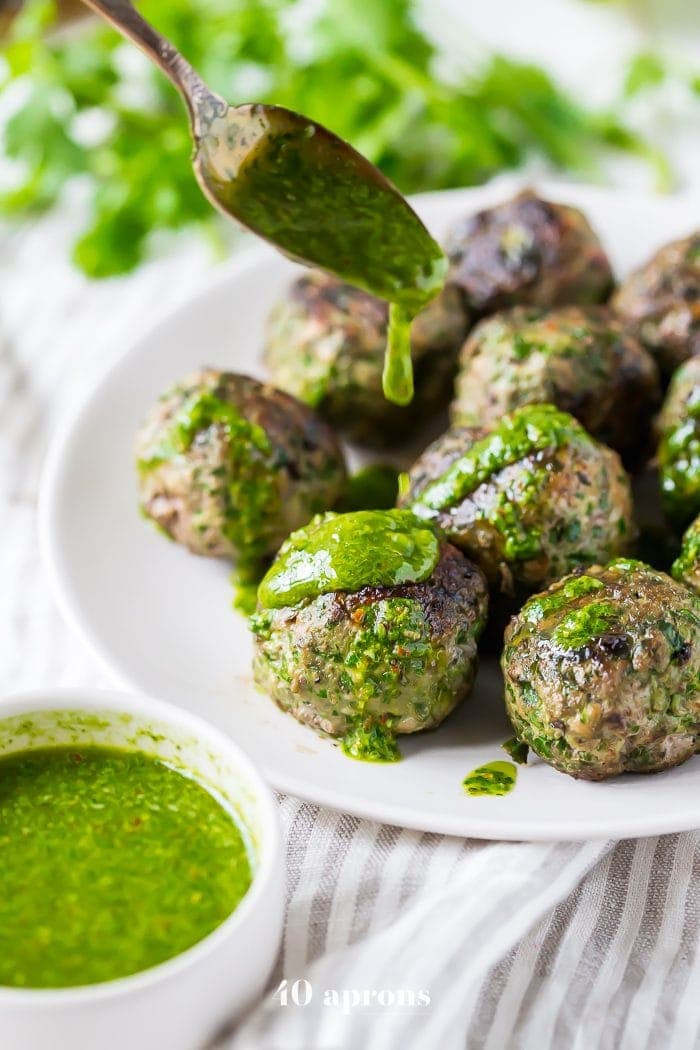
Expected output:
(539, 946)
(396, 938)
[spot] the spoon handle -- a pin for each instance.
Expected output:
(202, 103)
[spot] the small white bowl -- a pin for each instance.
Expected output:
(181, 1003)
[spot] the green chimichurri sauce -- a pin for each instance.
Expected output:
(687, 564)
(371, 743)
(495, 778)
(397, 377)
(248, 484)
(679, 463)
(345, 552)
(581, 626)
(516, 511)
(373, 488)
(297, 185)
(245, 593)
(587, 619)
(111, 863)
(625, 565)
(535, 428)
(517, 750)
(198, 412)
(543, 605)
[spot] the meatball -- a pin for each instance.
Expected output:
(529, 500)
(576, 357)
(527, 251)
(678, 454)
(661, 302)
(325, 345)
(601, 672)
(686, 567)
(229, 466)
(395, 658)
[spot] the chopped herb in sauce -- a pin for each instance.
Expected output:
(345, 552)
(249, 482)
(517, 750)
(679, 460)
(112, 862)
(686, 567)
(495, 778)
(519, 435)
(373, 742)
(295, 184)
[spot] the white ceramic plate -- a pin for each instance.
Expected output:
(162, 618)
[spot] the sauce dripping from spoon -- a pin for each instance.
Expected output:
(307, 192)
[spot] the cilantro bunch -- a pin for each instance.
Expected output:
(89, 106)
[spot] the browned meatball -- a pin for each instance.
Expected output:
(325, 345)
(229, 466)
(529, 500)
(661, 302)
(398, 657)
(601, 672)
(576, 357)
(527, 251)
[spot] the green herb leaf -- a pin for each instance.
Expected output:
(645, 70)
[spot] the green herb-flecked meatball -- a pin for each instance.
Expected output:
(686, 567)
(678, 453)
(661, 302)
(325, 345)
(529, 500)
(527, 251)
(380, 659)
(576, 357)
(229, 466)
(602, 672)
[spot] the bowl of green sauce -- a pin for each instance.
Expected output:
(141, 888)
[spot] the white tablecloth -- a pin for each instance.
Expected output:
(568, 947)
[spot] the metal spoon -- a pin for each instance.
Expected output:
(296, 184)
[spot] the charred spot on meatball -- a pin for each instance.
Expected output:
(578, 358)
(528, 501)
(527, 251)
(325, 345)
(660, 302)
(229, 466)
(601, 672)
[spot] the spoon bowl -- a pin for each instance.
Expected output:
(306, 191)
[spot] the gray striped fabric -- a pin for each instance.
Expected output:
(519, 945)
(549, 947)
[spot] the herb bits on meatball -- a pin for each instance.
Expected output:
(602, 672)
(229, 466)
(325, 345)
(529, 500)
(578, 358)
(367, 626)
(678, 454)
(660, 302)
(686, 567)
